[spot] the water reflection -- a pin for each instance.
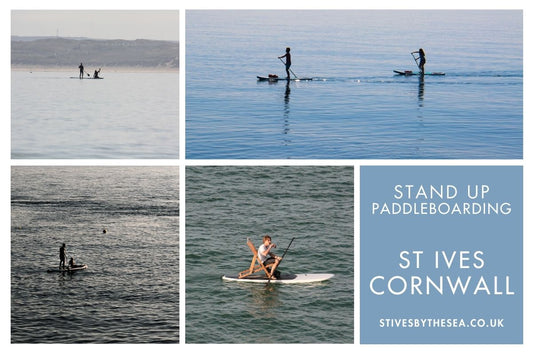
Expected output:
(420, 117)
(286, 112)
(420, 90)
(264, 300)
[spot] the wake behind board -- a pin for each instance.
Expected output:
(68, 269)
(409, 72)
(283, 279)
(276, 79)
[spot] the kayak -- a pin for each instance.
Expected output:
(283, 279)
(409, 72)
(276, 79)
(68, 269)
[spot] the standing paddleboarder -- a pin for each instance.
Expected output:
(81, 70)
(62, 255)
(287, 57)
(421, 59)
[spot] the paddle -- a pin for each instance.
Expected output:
(415, 58)
(285, 252)
(289, 68)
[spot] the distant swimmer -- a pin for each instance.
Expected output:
(288, 62)
(62, 255)
(96, 72)
(421, 60)
(81, 70)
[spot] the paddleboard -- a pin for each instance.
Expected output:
(276, 79)
(409, 72)
(68, 269)
(283, 279)
(75, 77)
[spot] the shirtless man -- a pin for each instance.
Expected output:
(287, 57)
(62, 255)
(81, 70)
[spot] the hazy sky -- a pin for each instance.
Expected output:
(104, 24)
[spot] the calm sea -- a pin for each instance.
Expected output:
(126, 115)
(129, 293)
(227, 204)
(357, 108)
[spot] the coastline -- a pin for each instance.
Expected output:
(74, 69)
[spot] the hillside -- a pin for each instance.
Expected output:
(69, 52)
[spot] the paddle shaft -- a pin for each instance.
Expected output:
(415, 58)
(285, 252)
(289, 70)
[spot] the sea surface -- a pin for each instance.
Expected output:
(129, 293)
(225, 205)
(357, 108)
(126, 115)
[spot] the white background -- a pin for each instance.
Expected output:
(186, 349)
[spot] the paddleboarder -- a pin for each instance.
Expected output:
(62, 255)
(81, 70)
(96, 72)
(267, 258)
(288, 63)
(421, 59)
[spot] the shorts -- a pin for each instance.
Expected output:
(269, 261)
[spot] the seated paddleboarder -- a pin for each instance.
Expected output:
(72, 264)
(96, 72)
(287, 57)
(421, 58)
(267, 258)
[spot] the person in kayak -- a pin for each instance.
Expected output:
(96, 72)
(288, 63)
(81, 70)
(62, 255)
(421, 59)
(267, 258)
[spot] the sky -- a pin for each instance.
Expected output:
(98, 24)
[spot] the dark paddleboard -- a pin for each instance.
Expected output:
(276, 79)
(75, 77)
(409, 72)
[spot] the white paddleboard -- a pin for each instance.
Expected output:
(68, 269)
(283, 279)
